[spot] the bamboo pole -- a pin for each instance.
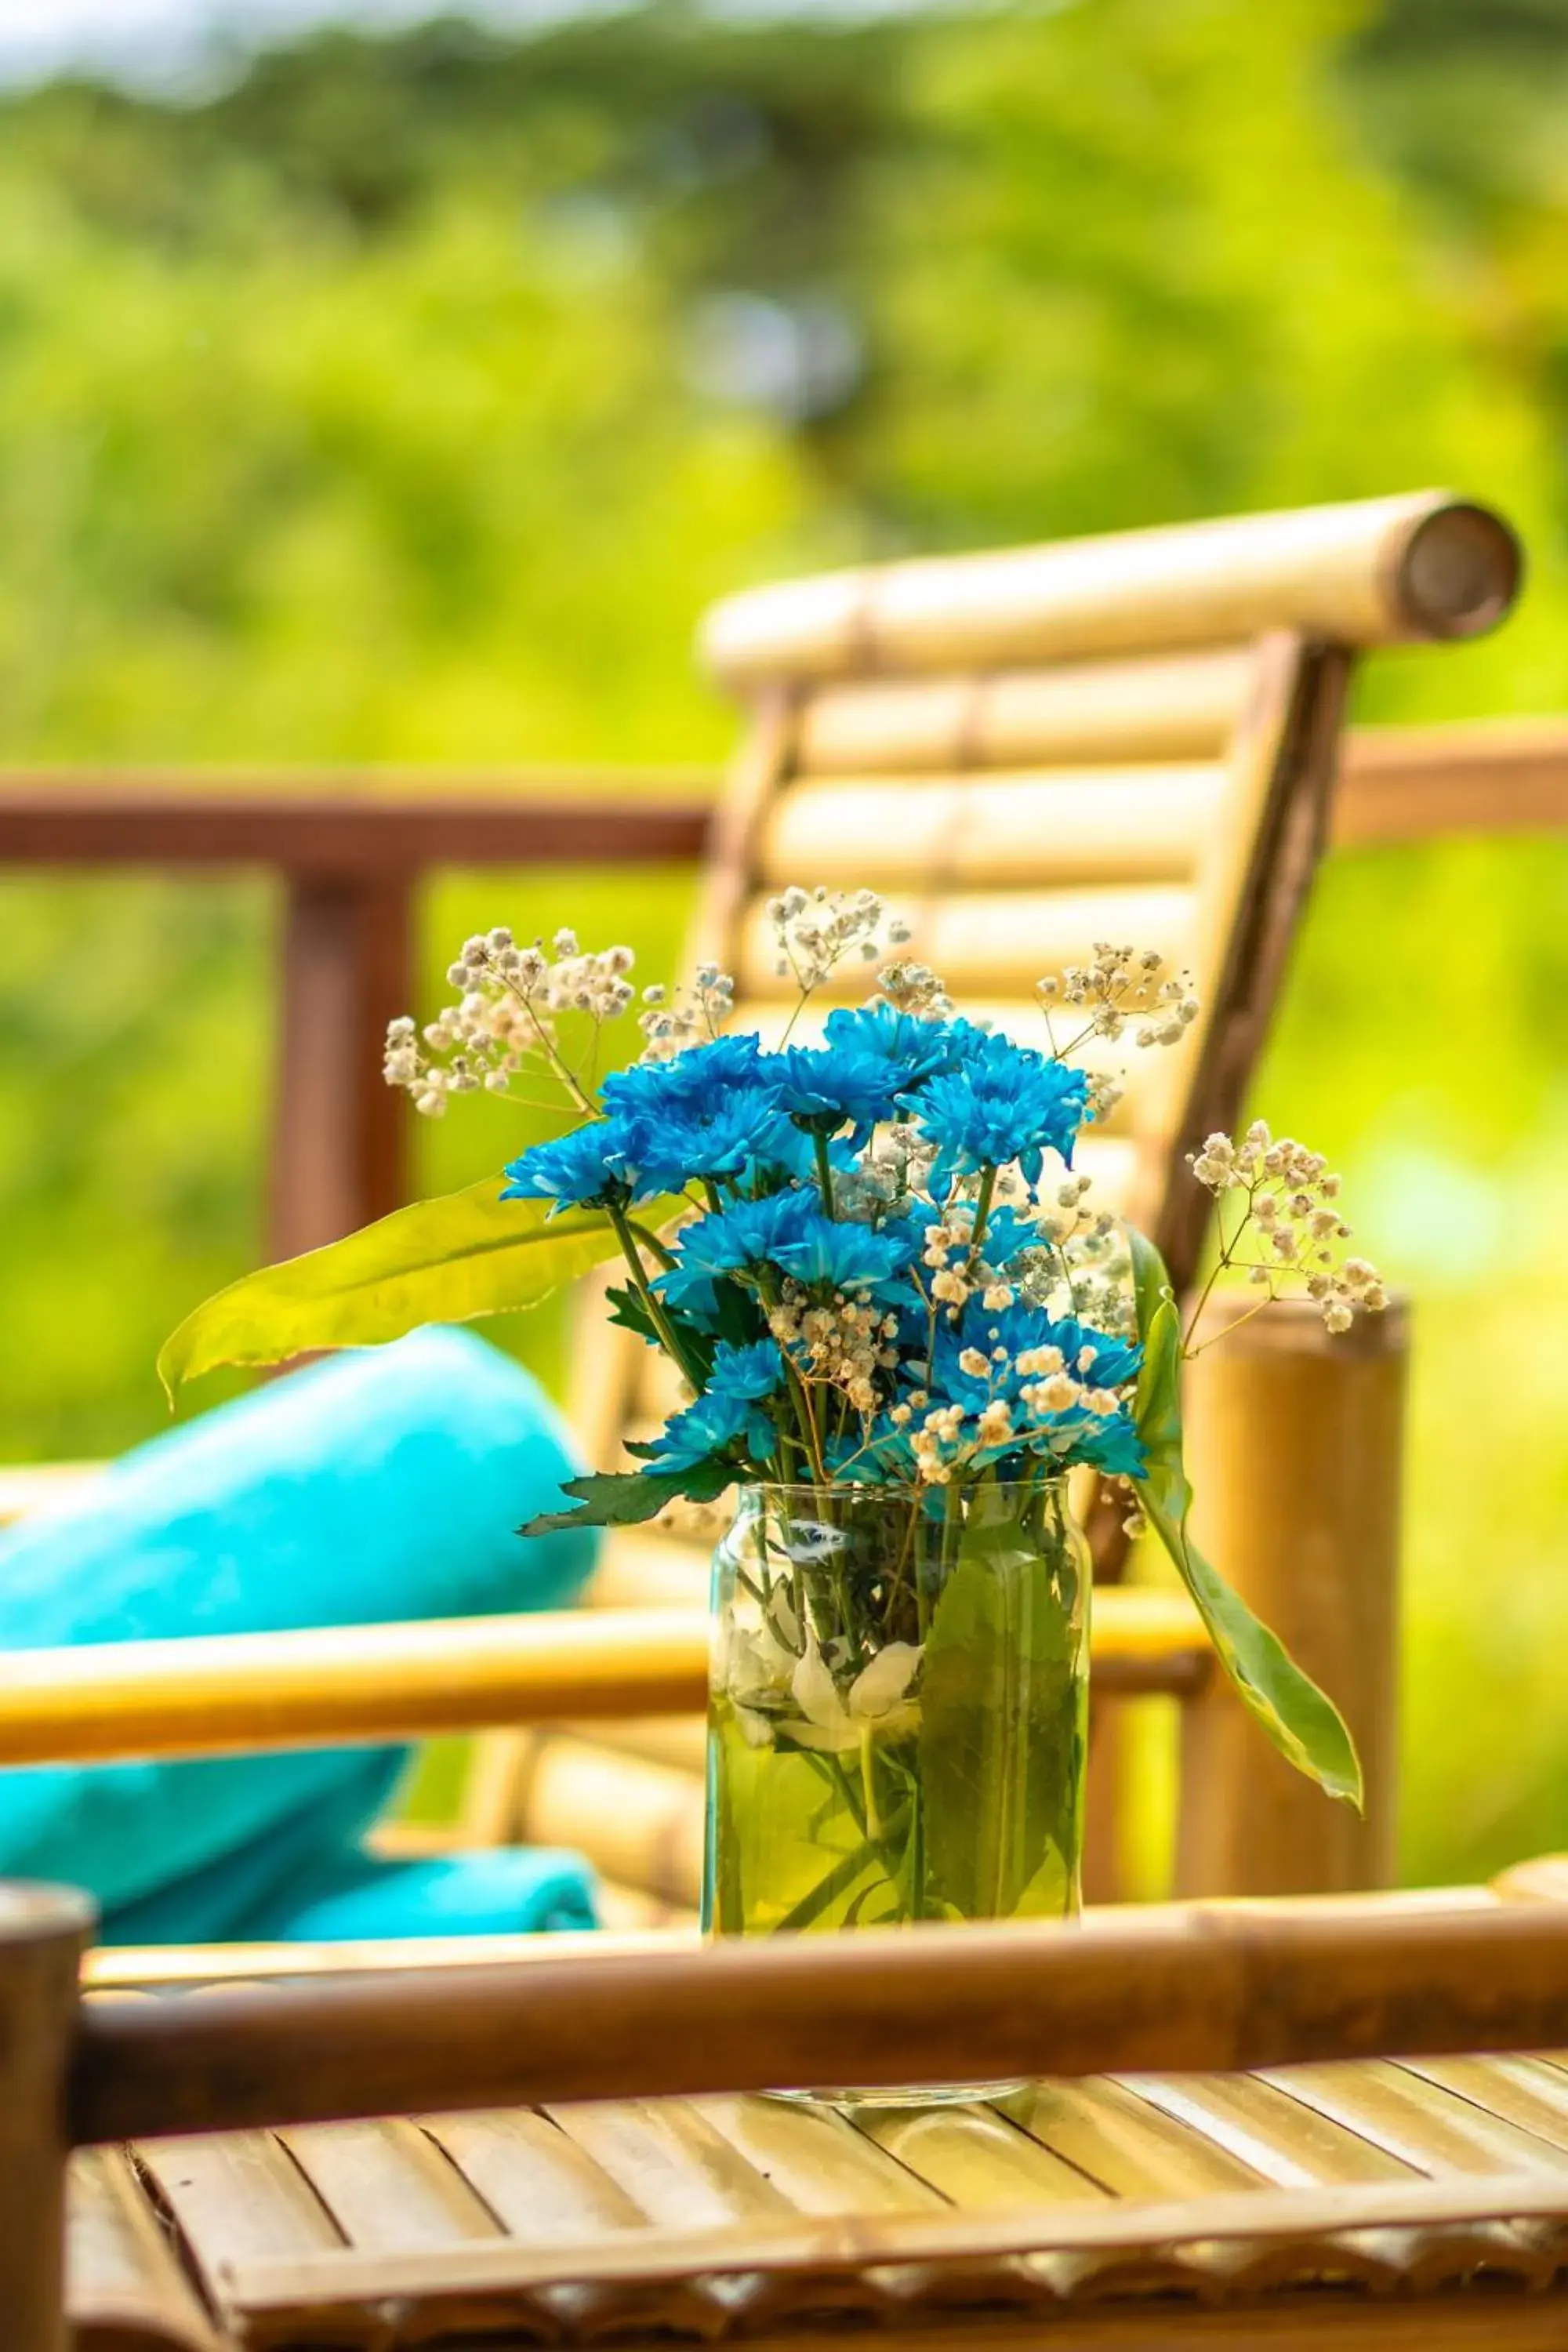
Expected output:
(212, 1694)
(1370, 572)
(43, 1932)
(1294, 1444)
(1163, 1988)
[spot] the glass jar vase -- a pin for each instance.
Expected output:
(899, 1708)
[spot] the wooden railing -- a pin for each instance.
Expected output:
(354, 846)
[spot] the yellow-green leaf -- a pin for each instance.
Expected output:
(444, 1261)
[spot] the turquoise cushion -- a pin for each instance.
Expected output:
(303, 1879)
(384, 1484)
(506, 1891)
(215, 1901)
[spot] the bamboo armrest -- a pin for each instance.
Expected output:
(215, 1694)
(132, 1967)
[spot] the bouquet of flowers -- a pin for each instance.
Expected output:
(882, 1283)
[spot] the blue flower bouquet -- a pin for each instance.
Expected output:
(903, 1325)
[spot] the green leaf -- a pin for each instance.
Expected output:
(444, 1261)
(1000, 1735)
(1300, 1719)
(623, 1498)
(697, 1346)
(627, 1310)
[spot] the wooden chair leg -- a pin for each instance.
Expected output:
(43, 1933)
(1294, 1447)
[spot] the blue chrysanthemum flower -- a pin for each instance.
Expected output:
(1097, 1358)
(826, 1087)
(1074, 1434)
(700, 1075)
(745, 1233)
(593, 1167)
(1005, 1103)
(729, 1407)
(1111, 1445)
(709, 1113)
(1007, 1235)
(1102, 1357)
(740, 1135)
(849, 1256)
(915, 1049)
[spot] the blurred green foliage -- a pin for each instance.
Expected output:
(409, 399)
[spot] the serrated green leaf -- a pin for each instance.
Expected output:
(623, 1498)
(449, 1260)
(1302, 1720)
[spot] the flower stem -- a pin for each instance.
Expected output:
(651, 1243)
(824, 1172)
(981, 1212)
(1227, 1250)
(669, 1338)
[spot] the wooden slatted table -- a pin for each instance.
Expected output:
(1392, 2203)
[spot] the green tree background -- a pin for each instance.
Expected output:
(407, 400)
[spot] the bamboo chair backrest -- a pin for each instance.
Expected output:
(1130, 738)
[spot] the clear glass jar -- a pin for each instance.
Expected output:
(898, 1721)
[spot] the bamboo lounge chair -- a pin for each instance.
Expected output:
(1130, 738)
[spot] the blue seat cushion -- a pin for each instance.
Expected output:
(379, 1485)
(503, 1891)
(303, 1881)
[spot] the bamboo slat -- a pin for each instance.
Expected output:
(978, 2160)
(679, 1743)
(1371, 573)
(925, 833)
(639, 1823)
(388, 2187)
(685, 2174)
(1425, 2125)
(237, 2196)
(996, 943)
(548, 2192)
(1181, 706)
(1522, 2091)
(128, 2292)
